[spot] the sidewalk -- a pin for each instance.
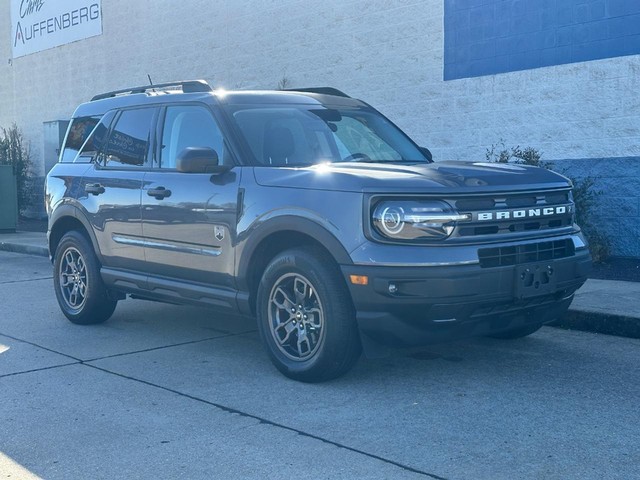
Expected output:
(602, 306)
(32, 243)
(605, 306)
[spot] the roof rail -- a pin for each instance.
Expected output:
(189, 86)
(321, 90)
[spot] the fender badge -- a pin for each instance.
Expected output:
(219, 232)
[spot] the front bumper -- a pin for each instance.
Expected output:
(443, 303)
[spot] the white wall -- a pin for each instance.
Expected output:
(389, 53)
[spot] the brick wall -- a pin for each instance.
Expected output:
(390, 53)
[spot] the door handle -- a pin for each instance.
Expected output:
(94, 188)
(159, 192)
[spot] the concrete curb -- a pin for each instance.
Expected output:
(597, 322)
(22, 248)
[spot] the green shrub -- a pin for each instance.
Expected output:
(584, 194)
(527, 156)
(15, 151)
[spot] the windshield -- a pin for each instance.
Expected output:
(306, 135)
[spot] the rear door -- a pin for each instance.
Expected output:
(112, 188)
(189, 219)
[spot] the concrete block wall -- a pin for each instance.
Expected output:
(616, 213)
(484, 37)
(391, 53)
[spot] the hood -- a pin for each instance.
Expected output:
(437, 177)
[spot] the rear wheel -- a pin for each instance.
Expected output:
(305, 316)
(80, 291)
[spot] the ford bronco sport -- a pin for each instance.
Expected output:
(309, 210)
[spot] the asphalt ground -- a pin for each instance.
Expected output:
(165, 391)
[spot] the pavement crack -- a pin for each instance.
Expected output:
(122, 354)
(270, 422)
(8, 282)
(39, 369)
(161, 347)
(76, 360)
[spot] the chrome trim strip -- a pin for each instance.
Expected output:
(165, 246)
(417, 264)
(444, 218)
(577, 240)
(578, 243)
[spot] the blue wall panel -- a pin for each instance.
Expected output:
(485, 37)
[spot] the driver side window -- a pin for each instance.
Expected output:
(189, 126)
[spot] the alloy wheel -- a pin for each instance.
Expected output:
(296, 317)
(73, 277)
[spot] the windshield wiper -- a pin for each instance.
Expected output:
(370, 160)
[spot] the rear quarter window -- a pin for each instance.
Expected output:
(79, 131)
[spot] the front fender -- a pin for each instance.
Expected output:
(252, 238)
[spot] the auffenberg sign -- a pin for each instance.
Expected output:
(37, 25)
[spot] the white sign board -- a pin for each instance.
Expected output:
(37, 25)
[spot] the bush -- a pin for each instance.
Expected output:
(526, 156)
(15, 151)
(584, 193)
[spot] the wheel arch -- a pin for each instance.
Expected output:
(280, 234)
(65, 219)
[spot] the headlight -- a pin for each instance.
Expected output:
(415, 220)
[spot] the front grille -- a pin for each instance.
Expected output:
(518, 210)
(511, 200)
(513, 226)
(526, 253)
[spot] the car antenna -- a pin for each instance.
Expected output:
(150, 82)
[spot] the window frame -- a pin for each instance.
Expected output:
(151, 149)
(160, 124)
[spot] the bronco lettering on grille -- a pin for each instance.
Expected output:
(523, 213)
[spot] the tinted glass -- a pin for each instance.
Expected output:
(96, 140)
(189, 126)
(79, 130)
(303, 135)
(128, 144)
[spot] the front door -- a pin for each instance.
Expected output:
(189, 219)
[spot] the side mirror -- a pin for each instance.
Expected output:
(197, 160)
(427, 153)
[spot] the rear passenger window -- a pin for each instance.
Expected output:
(129, 141)
(189, 126)
(79, 130)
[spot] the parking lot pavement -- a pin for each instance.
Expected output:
(167, 391)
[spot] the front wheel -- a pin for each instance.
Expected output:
(305, 316)
(80, 291)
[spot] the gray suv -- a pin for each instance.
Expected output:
(309, 210)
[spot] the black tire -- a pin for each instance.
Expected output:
(79, 288)
(318, 340)
(517, 332)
